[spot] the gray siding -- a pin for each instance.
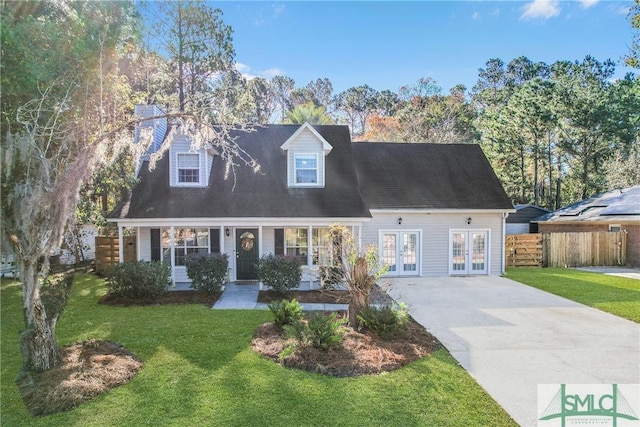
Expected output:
(434, 229)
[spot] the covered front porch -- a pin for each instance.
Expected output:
(244, 241)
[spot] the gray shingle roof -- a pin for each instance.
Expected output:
(359, 177)
(438, 176)
(255, 195)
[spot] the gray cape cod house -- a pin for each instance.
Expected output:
(431, 209)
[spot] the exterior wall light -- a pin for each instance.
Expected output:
(227, 232)
(469, 221)
(400, 221)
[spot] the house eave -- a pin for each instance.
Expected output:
(233, 222)
(438, 211)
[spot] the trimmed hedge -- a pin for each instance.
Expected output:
(138, 280)
(280, 273)
(208, 273)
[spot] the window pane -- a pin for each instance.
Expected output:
(296, 243)
(306, 169)
(188, 175)
(389, 251)
(202, 237)
(306, 162)
(188, 161)
(180, 252)
(189, 236)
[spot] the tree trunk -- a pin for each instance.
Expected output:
(38, 344)
(360, 285)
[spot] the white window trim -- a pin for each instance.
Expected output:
(173, 245)
(200, 174)
(618, 226)
(293, 170)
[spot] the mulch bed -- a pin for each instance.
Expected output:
(86, 371)
(170, 297)
(358, 354)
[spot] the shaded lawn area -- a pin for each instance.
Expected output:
(616, 295)
(200, 370)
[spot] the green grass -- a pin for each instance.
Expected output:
(613, 294)
(200, 370)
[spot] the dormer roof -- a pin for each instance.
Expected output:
(326, 147)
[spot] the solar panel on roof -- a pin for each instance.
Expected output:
(626, 209)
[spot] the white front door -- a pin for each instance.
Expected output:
(468, 252)
(401, 252)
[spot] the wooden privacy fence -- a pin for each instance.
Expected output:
(524, 250)
(107, 251)
(585, 249)
(575, 249)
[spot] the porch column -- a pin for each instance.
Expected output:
(138, 244)
(259, 241)
(120, 244)
(173, 255)
(222, 236)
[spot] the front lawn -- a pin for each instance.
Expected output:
(200, 370)
(613, 294)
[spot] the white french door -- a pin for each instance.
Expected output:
(468, 252)
(401, 252)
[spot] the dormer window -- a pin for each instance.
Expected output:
(188, 168)
(306, 169)
(306, 152)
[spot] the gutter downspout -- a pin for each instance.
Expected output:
(504, 241)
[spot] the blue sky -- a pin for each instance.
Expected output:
(390, 44)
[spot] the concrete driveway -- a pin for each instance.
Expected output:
(512, 337)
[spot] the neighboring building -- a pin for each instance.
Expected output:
(615, 210)
(433, 209)
(519, 222)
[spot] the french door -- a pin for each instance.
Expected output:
(401, 252)
(468, 252)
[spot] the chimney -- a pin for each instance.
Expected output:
(159, 126)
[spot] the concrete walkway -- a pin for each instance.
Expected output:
(512, 337)
(628, 272)
(245, 297)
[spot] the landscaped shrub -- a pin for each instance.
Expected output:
(138, 280)
(319, 331)
(386, 321)
(280, 273)
(208, 272)
(286, 312)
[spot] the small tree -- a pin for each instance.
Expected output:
(361, 269)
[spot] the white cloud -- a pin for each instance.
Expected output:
(248, 74)
(475, 15)
(271, 73)
(278, 9)
(544, 9)
(586, 4)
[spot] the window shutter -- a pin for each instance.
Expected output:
(156, 250)
(279, 241)
(214, 240)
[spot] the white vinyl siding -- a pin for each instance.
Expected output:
(435, 229)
